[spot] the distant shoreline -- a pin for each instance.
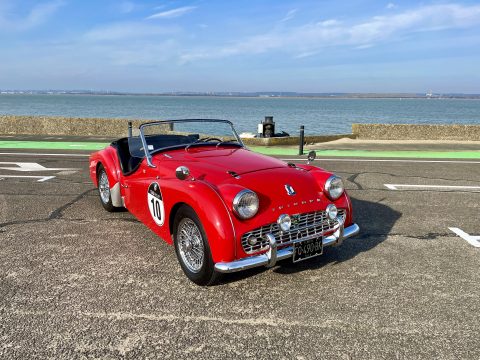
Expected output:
(255, 95)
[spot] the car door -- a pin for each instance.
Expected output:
(144, 198)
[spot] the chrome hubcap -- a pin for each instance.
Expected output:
(104, 187)
(190, 245)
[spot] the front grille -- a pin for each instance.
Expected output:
(303, 225)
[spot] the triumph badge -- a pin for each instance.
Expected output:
(290, 190)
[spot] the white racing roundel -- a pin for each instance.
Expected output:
(155, 203)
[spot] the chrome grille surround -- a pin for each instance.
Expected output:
(304, 226)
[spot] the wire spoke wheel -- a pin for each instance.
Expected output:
(104, 187)
(190, 245)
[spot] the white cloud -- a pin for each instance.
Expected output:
(173, 13)
(126, 7)
(330, 22)
(391, 6)
(38, 15)
(310, 39)
(127, 30)
(290, 15)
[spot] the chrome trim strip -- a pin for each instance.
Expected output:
(265, 259)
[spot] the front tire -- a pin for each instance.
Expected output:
(104, 189)
(192, 249)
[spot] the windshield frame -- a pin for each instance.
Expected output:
(148, 154)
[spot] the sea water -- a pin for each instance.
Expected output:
(318, 115)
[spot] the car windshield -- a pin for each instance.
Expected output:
(168, 134)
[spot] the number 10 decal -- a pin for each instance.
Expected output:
(155, 203)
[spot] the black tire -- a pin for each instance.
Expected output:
(107, 205)
(206, 274)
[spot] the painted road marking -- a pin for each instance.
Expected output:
(472, 240)
(27, 166)
(41, 154)
(66, 172)
(443, 187)
(391, 160)
(40, 178)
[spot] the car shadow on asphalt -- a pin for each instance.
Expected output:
(375, 220)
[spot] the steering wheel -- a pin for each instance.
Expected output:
(210, 139)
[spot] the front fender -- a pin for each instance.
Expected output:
(212, 212)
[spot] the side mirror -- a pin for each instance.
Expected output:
(311, 156)
(182, 172)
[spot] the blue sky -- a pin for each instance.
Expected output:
(269, 45)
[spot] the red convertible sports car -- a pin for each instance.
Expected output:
(224, 207)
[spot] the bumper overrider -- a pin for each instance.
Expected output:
(270, 258)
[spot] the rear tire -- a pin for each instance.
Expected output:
(104, 190)
(192, 248)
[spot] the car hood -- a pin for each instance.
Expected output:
(228, 166)
(210, 161)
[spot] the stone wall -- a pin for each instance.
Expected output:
(416, 132)
(56, 125)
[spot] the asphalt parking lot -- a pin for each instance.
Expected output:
(78, 282)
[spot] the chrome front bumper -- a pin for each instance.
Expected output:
(270, 258)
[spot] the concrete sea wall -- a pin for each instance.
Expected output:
(108, 127)
(416, 132)
(56, 125)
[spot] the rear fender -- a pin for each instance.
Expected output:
(108, 158)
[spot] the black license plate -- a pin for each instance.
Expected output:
(307, 249)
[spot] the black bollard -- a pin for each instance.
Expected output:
(302, 139)
(129, 129)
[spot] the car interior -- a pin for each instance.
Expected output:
(130, 150)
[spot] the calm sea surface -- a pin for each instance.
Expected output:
(320, 116)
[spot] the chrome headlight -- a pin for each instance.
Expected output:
(331, 211)
(334, 187)
(245, 204)
(285, 222)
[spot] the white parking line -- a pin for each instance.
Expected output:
(444, 187)
(390, 160)
(27, 167)
(40, 178)
(472, 240)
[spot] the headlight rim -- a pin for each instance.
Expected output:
(236, 201)
(328, 185)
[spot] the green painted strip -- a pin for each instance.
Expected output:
(54, 145)
(403, 154)
(272, 150)
(375, 154)
(63, 145)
